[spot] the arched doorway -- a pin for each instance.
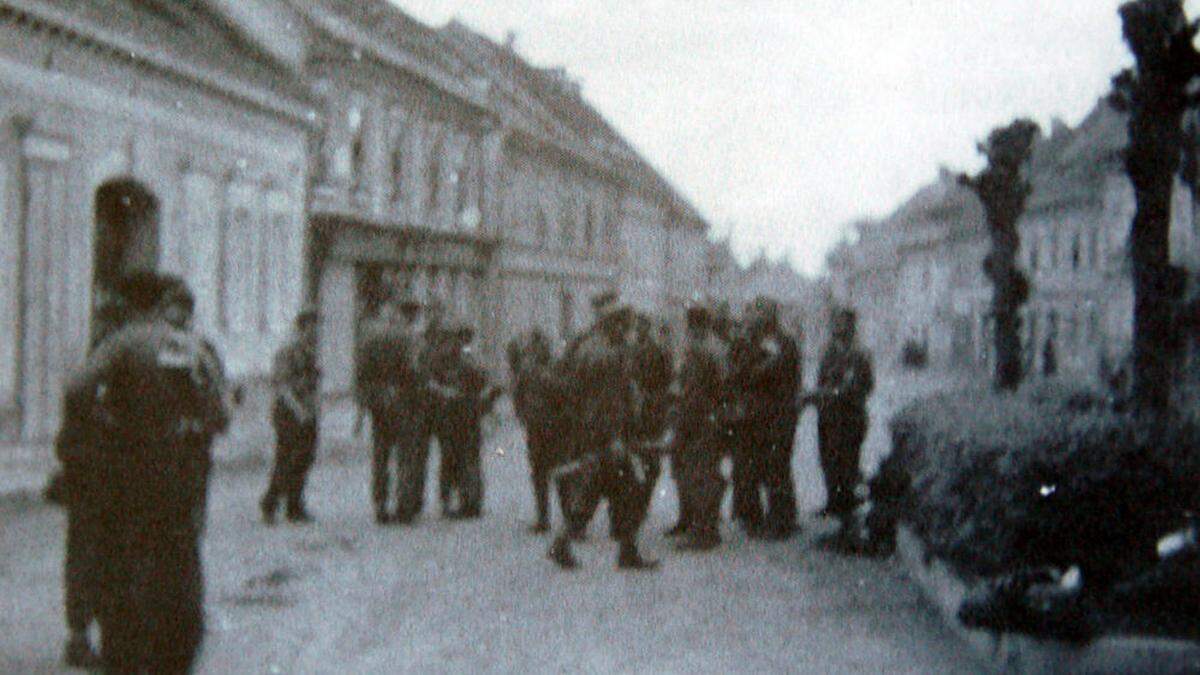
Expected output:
(126, 240)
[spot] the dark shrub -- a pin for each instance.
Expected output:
(1047, 476)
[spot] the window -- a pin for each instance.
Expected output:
(354, 126)
(1075, 251)
(1035, 254)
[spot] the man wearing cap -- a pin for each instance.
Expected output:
(653, 372)
(160, 395)
(538, 395)
(463, 396)
(844, 383)
(295, 417)
(775, 406)
(697, 460)
(390, 385)
(601, 461)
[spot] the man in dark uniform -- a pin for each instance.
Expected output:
(161, 397)
(74, 446)
(844, 383)
(697, 459)
(653, 372)
(603, 304)
(601, 460)
(464, 397)
(537, 401)
(295, 417)
(774, 408)
(390, 386)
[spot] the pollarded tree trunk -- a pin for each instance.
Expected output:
(1155, 93)
(1004, 192)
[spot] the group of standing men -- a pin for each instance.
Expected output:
(600, 417)
(418, 380)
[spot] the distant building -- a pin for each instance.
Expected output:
(918, 273)
(144, 135)
(803, 302)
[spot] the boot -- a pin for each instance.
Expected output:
(78, 653)
(382, 517)
(699, 543)
(540, 527)
(630, 559)
(680, 528)
(299, 516)
(267, 508)
(560, 553)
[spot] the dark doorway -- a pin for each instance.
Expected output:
(126, 240)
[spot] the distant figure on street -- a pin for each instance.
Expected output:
(844, 383)
(601, 460)
(766, 367)
(161, 399)
(463, 396)
(696, 463)
(295, 416)
(391, 387)
(538, 402)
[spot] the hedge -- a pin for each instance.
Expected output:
(1050, 475)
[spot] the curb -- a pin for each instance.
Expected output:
(1012, 653)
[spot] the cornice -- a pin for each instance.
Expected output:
(34, 15)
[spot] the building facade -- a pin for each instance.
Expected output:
(148, 135)
(452, 171)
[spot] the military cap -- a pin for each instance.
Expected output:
(409, 304)
(605, 302)
(307, 314)
(699, 316)
(842, 313)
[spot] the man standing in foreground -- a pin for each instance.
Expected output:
(602, 463)
(844, 383)
(295, 417)
(160, 391)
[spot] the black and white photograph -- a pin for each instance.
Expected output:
(635, 336)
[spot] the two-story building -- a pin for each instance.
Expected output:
(147, 135)
(1078, 319)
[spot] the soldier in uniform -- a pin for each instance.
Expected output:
(160, 396)
(845, 381)
(295, 418)
(464, 397)
(74, 446)
(699, 450)
(537, 397)
(653, 372)
(601, 460)
(775, 407)
(390, 386)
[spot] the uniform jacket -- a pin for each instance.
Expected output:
(389, 375)
(295, 370)
(846, 379)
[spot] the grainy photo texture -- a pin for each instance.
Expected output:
(637, 336)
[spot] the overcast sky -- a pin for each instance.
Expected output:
(783, 120)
